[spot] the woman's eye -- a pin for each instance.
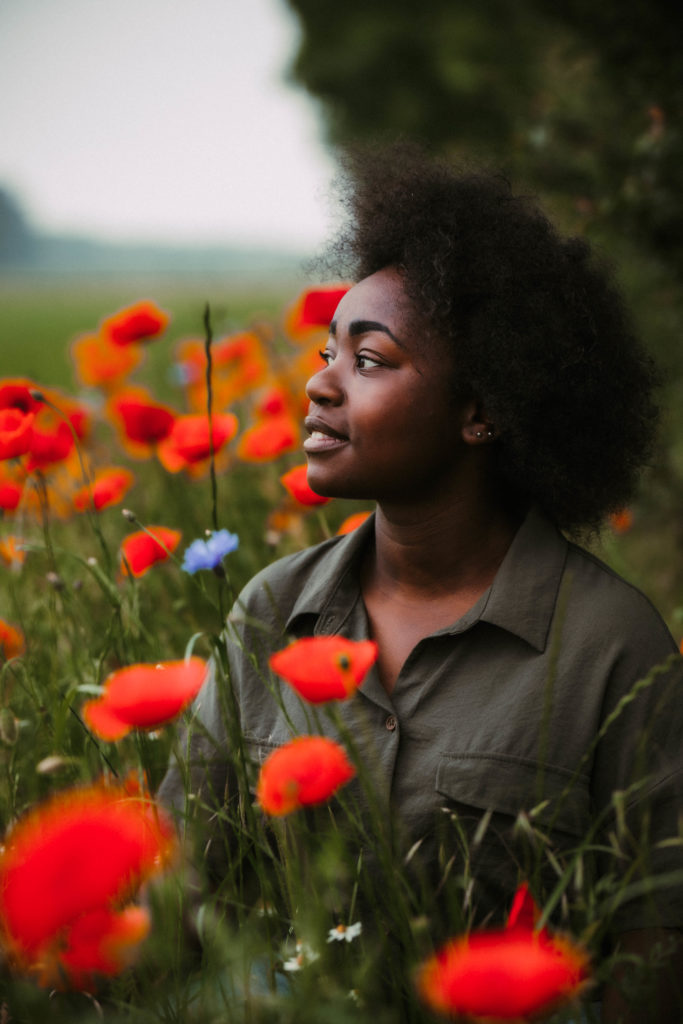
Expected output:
(366, 362)
(325, 356)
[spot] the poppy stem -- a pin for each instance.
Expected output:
(93, 740)
(208, 339)
(90, 509)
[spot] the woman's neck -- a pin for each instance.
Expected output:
(444, 549)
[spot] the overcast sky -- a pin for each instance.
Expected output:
(160, 119)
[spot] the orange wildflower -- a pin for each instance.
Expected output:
(269, 439)
(322, 668)
(140, 551)
(294, 480)
(108, 488)
(239, 364)
(99, 363)
(352, 522)
(12, 642)
(511, 973)
(139, 322)
(65, 870)
(307, 770)
(144, 697)
(621, 521)
(11, 552)
(16, 432)
(302, 369)
(190, 442)
(72, 412)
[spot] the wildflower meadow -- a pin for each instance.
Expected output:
(134, 507)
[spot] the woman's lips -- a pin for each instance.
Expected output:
(320, 442)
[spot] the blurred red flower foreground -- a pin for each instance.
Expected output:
(512, 973)
(307, 770)
(144, 697)
(67, 870)
(322, 668)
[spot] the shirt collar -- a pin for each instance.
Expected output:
(521, 598)
(523, 595)
(333, 588)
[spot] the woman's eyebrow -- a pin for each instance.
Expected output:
(357, 327)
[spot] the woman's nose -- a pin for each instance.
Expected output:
(323, 387)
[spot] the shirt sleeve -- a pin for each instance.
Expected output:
(638, 781)
(197, 783)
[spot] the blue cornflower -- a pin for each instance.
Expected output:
(209, 553)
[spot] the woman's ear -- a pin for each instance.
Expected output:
(477, 428)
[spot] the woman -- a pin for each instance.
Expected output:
(482, 385)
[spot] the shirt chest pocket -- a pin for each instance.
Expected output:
(507, 785)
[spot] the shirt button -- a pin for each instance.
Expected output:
(391, 723)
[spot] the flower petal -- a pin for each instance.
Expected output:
(323, 668)
(144, 696)
(307, 770)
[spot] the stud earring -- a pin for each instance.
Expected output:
(490, 432)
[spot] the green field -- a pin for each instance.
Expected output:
(39, 316)
(83, 619)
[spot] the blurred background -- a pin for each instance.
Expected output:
(185, 150)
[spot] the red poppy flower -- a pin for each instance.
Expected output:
(139, 322)
(267, 440)
(144, 697)
(189, 440)
(15, 393)
(314, 309)
(51, 442)
(147, 422)
(275, 402)
(322, 668)
(352, 522)
(99, 363)
(510, 973)
(10, 495)
(297, 485)
(16, 432)
(140, 551)
(307, 770)
(65, 869)
(102, 942)
(12, 641)
(108, 488)
(319, 304)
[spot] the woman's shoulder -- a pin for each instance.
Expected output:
(611, 605)
(304, 576)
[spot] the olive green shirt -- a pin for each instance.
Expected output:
(503, 711)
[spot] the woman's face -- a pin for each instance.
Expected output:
(383, 421)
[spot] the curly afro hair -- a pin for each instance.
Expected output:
(538, 331)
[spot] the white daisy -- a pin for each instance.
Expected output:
(304, 955)
(345, 933)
